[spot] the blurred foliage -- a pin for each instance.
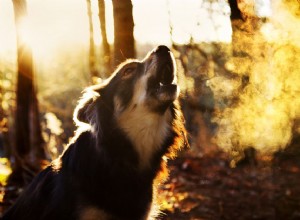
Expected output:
(7, 104)
(235, 95)
(244, 94)
(60, 80)
(7, 83)
(5, 170)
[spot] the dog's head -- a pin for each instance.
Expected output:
(150, 83)
(140, 100)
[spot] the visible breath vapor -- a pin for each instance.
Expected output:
(264, 111)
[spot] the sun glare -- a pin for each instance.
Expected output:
(49, 25)
(55, 24)
(29, 35)
(25, 33)
(7, 31)
(268, 103)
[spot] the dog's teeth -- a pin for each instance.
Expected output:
(160, 84)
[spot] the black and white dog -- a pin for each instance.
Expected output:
(132, 124)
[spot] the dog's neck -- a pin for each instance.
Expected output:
(146, 130)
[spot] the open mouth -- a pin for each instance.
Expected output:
(165, 76)
(166, 87)
(162, 85)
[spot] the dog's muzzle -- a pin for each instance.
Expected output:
(165, 82)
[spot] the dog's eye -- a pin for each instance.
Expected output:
(128, 71)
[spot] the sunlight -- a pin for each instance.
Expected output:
(7, 26)
(54, 24)
(189, 18)
(25, 32)
(268, 109)
(239, 81)
(50, 25)
(28, 35)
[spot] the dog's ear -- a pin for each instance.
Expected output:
(84, 111)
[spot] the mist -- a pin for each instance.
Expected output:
(261, 107)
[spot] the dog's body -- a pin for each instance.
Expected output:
(108, 170)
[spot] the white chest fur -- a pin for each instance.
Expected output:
(146, 130)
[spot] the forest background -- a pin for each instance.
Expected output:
(238, 63)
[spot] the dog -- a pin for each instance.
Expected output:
(128, 127)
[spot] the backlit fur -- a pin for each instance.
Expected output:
(128, 127)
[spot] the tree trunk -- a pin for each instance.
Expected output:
(235, 11)
(28, 150)
(105, 45)
(246, 37)
(123, 31)
(236, 25)
(92, 57)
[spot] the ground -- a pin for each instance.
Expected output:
(205, 187)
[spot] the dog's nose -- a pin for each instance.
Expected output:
(162, 49)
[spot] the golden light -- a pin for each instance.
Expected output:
(25, 32)
(28, 33)
(54, 24)
(268, 107)
(49, 26)
(7, 31)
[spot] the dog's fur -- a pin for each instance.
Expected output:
(128, 127)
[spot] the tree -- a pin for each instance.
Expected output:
(235, 11)
(247, 40)
(123, 30)
(92, 57)
(28, 150)
(105, 45)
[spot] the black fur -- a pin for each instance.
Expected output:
(100, 167)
